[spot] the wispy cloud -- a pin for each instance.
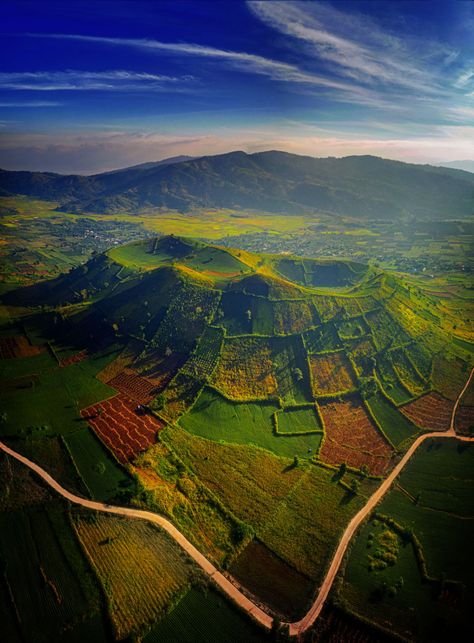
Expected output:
(31, 103)
(77, 80)
(275, 69)
(353, 46)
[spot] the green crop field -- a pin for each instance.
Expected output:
(205, 617)
(102, 475)
(396, 426)
(433, 500)
(217, 418)
(298, 420)
(49, 586)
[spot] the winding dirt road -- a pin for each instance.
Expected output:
(235, 594)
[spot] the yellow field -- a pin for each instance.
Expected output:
(141, 570)
(244, 370)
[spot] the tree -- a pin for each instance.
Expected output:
(354, 486)
(159, 401)
(298, 374)
(342, 469)
(296, 461)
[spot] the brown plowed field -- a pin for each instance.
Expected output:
(73, 359)
(430, 411)
(352, 437)
(134, 386)
(465, 419)
(125, 432)
(18, 346)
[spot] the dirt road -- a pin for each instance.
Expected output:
(235, 594)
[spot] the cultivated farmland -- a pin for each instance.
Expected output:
(123, 429)
(430, 411)
(245, 369)
(352, 437)
(141, 570)
(331, 373)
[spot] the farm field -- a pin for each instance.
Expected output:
(272, 580)
(433, 499)
(331, 373)
(397, 428)
(352, 437)
(205, 617)
(52, 402)
(298, 420)
(293, 533)
(253, 412)
(125, 430)
(430, 411)
(216, 418)
(141, 570)
(131, 385)
(391, 383)
(48, 588)
(245, 368)
(101, 474)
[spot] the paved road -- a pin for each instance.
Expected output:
(235, 594)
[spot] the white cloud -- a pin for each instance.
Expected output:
(78, 80)
(275, 69)
(355, 47)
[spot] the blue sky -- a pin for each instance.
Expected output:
(91, 86)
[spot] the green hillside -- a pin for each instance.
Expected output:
(255, 400)
(274, 181)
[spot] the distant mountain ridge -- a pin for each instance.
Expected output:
(359, 186)
(466, 165)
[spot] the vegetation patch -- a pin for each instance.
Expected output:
(293, 316)
(292, 531)
(331, 373)
(272, 580)
(101, 474)
(424, 590)
(394, 424)
(133, 386)
(298, 419)
(216, 418)
(205, 617)
(245, 369)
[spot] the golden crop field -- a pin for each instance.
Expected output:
(141, 570)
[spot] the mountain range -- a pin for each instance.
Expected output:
(273, 181)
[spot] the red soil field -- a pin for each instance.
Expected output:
(73, 359)
(18, 346)
(464, 419)
(124, 431)
(352, 437)
(131, 384)
(430, 411)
